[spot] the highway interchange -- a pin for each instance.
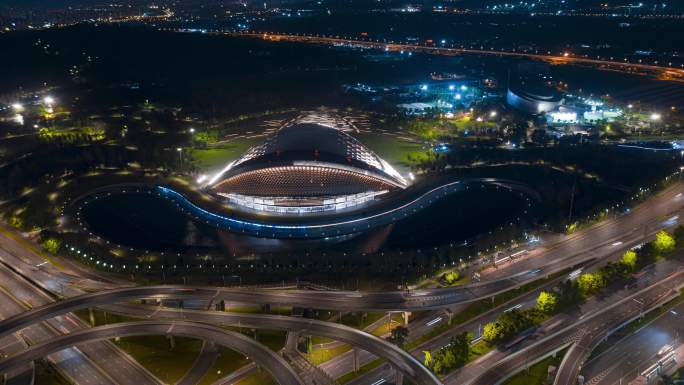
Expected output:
(30, 283)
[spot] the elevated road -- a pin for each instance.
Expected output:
(637, 67)
(596, 242)
(400, 359)
(266, 358)
(582, 335)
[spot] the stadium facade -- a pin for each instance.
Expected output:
(305, 169)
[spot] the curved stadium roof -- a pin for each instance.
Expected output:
(307, 160)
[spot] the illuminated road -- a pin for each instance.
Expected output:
(592, 327)
(628, 357)
(96, 363)
(596, 242)
(266, 358)
(604, 63)
(404, 362)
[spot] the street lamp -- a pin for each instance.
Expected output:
(18, 107)
(655, 116)
(180, 155)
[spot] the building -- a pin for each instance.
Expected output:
(305, 169)
(533, 99)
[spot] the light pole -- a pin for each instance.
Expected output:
(180, 156)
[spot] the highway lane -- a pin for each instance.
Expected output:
(23, 375)
(104, 357)
(202, 364)
(595, 242)
(342, 364)
(568, 318)
(411, 368)
(596, 324)
(655, 209)
(72, 363)
(405, 363)
(631, 355)
(574, 359)
(269, 360)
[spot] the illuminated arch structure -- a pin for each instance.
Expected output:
(304, 170)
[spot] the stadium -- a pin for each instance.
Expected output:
(305, 169)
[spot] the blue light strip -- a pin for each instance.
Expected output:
(645, 148)
(182, 199)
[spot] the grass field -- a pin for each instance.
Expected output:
(155, 354)
(228, 361)
(537, 373)
(392, 149)
(218, 156)
(319, 356)
(362, 370)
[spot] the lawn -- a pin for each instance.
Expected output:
(319, 356)
(537, 373)
(362, 370)
(216, 157)
(392, 149)
(157, 356)
(227, 362)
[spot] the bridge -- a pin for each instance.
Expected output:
(662, 71)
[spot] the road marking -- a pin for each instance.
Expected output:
(380, 381)
(434, 321)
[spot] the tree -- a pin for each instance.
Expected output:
(451, 277)
(399, 335)
(52, 245)
(590, 283)
(507, 325)
(547, 302)
(460, 347)
(664, 243)
(492, 332)
(427, 361)
(630, 259)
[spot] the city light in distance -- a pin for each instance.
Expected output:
(655, 116)
(49, 100)
(18, 107)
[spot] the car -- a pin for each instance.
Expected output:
(664, 350)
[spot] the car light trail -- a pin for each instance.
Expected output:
(518, 306)
(434, 321)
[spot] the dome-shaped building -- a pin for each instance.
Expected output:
(305, 169)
